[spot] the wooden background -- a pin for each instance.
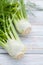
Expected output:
(34, 42)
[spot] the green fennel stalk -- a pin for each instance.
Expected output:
(20, 19)
(9, 38)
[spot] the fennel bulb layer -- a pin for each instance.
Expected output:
(23, 26)
(15, 48)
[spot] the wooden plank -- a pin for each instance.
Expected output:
(39, 3)
(34, 43)
(3, 51)
(37, 19)
(29, 51)
(29, 59)
(37, 30)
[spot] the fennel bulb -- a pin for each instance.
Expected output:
(20, 19)
(23, 26)
(10, 40)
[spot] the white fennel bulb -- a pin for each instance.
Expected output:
(15, 48)
(23, 26)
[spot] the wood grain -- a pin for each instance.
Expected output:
(37, 19)
(29, 59)
(34, 42)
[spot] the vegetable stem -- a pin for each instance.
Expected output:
(13, 29)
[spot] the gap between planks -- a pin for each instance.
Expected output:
(28, 59)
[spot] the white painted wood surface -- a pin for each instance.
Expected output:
(29, 59)
(34, 43)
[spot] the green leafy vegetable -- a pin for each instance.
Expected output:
(9, 38)
(20, 19)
